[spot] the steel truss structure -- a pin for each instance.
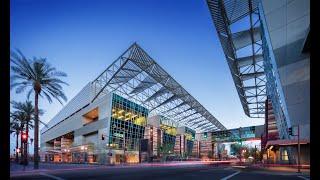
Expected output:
(238, 26)
(137, 77)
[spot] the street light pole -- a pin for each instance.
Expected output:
(298, 149)
(124, 146)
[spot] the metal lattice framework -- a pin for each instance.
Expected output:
(238, 26)
(136, 76)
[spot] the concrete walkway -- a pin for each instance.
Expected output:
(276, 170)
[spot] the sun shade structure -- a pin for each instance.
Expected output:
(238, 26)
(136, 76)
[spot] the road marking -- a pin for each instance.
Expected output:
(239, 166)
(228, 168)
(51, 176)
(303, 177)
(231, 175)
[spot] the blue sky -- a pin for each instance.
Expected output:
(83, 37)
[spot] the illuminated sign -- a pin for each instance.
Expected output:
(118, 135)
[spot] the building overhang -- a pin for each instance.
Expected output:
(237, 23)
(286, 142)
(139, 78)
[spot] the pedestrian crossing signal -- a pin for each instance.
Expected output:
(205, 135)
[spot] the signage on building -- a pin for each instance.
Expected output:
(118, 135)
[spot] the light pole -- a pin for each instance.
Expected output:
(124, 144)
(291, 133)
(298, 149)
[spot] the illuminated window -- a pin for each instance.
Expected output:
(285, 155)
(128, 121)
(91, 116)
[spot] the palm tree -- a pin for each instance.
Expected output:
(43, 80)
(27, 111)
(15, 128)
(19, 119)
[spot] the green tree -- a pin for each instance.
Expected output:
(24, 112)
(19, 119)
(15, 128)
(247, 152)
(42, 80)
(165, 150)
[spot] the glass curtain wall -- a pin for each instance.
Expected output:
(190, 136)
(128, 121)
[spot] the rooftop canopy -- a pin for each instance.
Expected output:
(238, 26)
(137, 77)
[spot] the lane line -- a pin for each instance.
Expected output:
(304, 178)
(231, 175)
(51, 176)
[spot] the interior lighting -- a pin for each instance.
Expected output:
(120, 111)
(271, 147)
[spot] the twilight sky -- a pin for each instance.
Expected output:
(83, 37)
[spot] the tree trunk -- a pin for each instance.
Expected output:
(21, 144)
(36, 132)
(17, 146)
(26, 145)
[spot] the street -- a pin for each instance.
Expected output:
(183, 172)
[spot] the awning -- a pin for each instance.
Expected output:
(286, 142)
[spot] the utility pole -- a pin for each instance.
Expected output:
(240, 145)
(298, 149)
(139, 150)
(124, 147)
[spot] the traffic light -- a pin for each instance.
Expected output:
(24, 138)
(102, 137)
(290, 131)
(205, 135)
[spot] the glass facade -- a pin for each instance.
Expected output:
(128, 121)
(238, 134)
(169, 140)
(190, 136)
(169, 126)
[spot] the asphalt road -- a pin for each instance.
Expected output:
(186, 172)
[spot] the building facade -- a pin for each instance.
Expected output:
(107, 131)
(266, 44)
(285, 30)
(107, 121)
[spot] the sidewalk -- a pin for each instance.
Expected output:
(275, 169)
(17, 168)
